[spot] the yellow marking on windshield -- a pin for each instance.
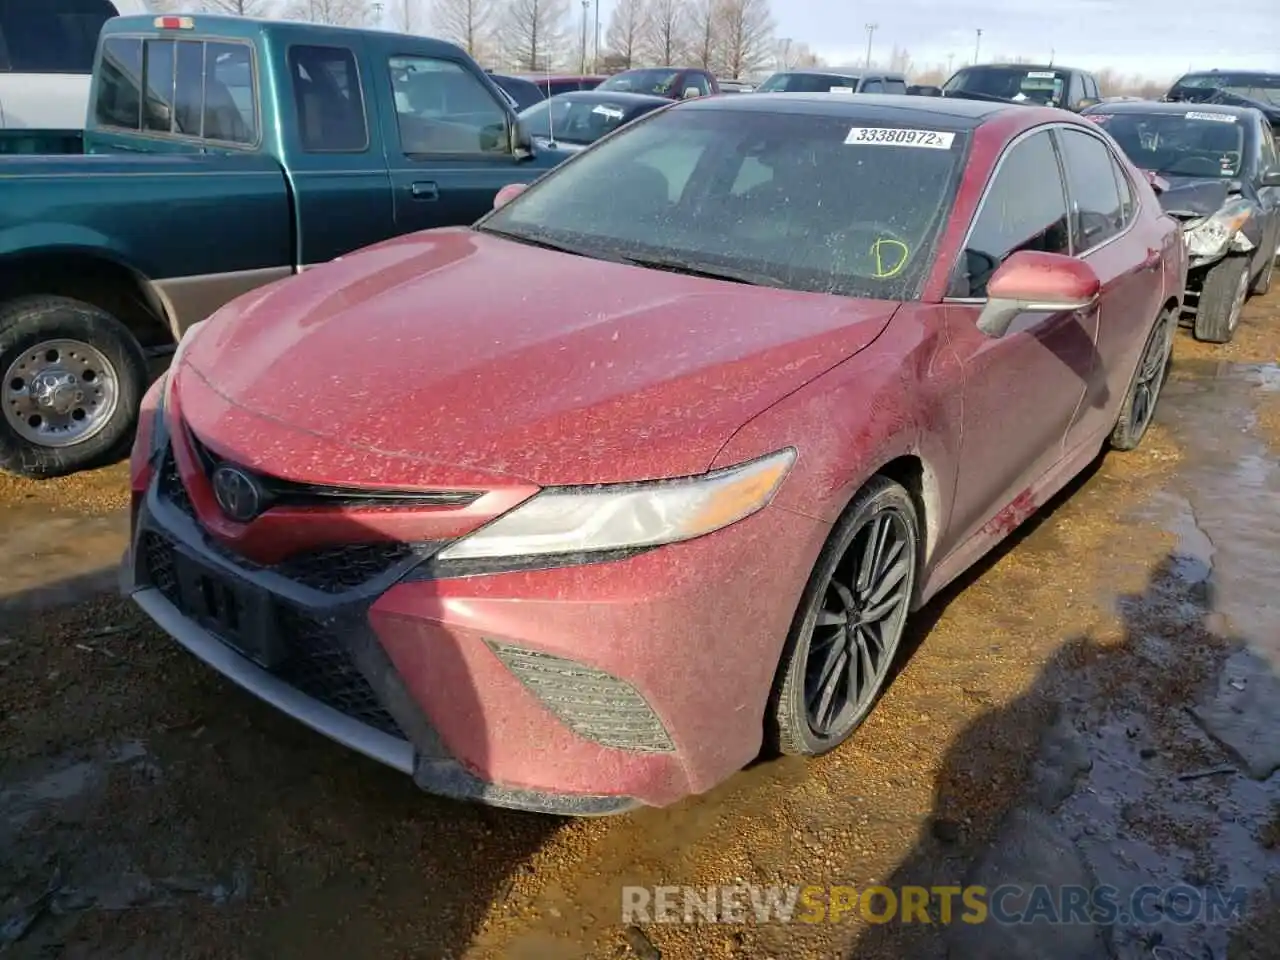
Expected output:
(877, 251)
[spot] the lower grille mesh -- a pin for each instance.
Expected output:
(317, 661)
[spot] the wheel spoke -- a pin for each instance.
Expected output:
(832, 618)
(871, 552)
(889, 557)
(879, 611)
(891, 578)
(869, 666)
(846, 595)
(821, 714)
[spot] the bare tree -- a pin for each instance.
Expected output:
(408, 16)
(535, 33)
(627, 28)
(792, 54)
(337, 13)
(240, 8)
(705, 39)
(746, 31)
(666, 36)
(468, 23)
(900, 60)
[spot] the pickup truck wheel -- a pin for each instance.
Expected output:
(1222, 298)
(74, 377)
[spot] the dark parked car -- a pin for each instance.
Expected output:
(674, 83)
(523, 93)
(550, 86)
(834, 81)
(1232, 87)
(681, 436)
(1046, 86)
(574, 121)
(1221, 178)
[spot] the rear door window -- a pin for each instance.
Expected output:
(51, 36)
(328, 99)
(1097, 212)
(193, 88)
(873, 86)
(895, 86)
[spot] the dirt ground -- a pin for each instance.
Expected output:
(1076, 679)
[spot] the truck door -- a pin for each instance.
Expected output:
(447, 139)
(335, 165)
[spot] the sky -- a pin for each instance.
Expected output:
(1156, 38)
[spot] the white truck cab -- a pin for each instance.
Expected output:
(46, 56)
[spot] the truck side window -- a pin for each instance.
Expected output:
(230, 107)
(328, 99)
(157, 117)
(895, 86)
(872, 86)
(442, 108)
(119, 102)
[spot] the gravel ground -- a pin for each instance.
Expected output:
(150, 809)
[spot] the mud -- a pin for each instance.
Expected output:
(1090, 706)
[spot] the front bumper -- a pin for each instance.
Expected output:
(582, 691)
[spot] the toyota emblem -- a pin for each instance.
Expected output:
(238, 494)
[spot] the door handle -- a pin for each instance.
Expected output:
(425, 190)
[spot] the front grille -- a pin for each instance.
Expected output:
(172, 488)
(314, 658)
(593, 704)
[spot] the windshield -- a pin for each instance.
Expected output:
(657, 82)
(1022, 84)
(52, 36)
(779, 199)
(572, 120)
(1256, 86)
(1193, 144)
(808, 83)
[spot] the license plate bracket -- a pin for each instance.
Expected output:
(239, 613)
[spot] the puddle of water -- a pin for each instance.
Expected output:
(48, 557)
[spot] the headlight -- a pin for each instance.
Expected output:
(1211, 237)
(621, 516)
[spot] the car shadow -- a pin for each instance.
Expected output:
(1109, 770)
(148, 806)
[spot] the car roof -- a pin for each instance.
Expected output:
(611, 96)
(871, 107)
(841, 72)
(1215, 72)
(1055, 67)
(1160, 106)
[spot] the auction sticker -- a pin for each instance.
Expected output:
(901, 137)
(841, 90)
(1042, 75)
(611, 112)
(1218, 117)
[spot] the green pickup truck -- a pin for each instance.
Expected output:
(220, 154)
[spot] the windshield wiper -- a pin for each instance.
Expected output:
(539, 242)
(733, 275)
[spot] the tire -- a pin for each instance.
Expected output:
(91, 373)
(1226, 287)
(1148, 380)
(796, 700)
(1262, 282)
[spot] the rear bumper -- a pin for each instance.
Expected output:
(585, 690)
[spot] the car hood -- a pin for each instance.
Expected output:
(455, 356)
(1192, 198)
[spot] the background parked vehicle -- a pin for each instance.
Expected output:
(1239, 87)
(903, 324)
(522, 93)
(550, 86)
(1045, 85)
(674, 83)
(837, 80)
(1222, 172)
(224, 185)
(734, 86)
(574, 121)
(46, 58)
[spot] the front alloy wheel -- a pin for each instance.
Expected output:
(850, 623)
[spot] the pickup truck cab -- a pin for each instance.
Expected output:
(674, 83)
(258, 150)
(838, 80)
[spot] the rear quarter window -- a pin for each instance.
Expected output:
(51, 36)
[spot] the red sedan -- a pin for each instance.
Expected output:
(583, 506)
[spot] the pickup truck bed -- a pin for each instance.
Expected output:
(299, 143)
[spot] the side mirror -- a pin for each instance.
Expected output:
(1271, 179)
(508, 193)
(1030, 282)
(1158, 183)
(690, 93)
(521, 141)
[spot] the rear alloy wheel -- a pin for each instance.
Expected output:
(1144, 392)
(850, 623)
(1226, 287)
(1262, 285)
